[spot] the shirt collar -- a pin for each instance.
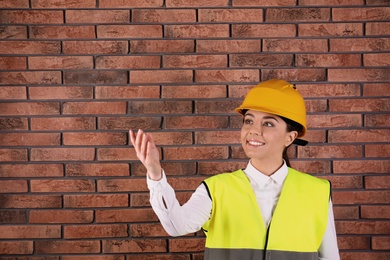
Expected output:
(279, 176)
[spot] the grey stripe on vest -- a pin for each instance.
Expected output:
(253, 254)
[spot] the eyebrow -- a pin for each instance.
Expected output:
(266, 117)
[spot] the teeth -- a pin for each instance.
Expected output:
(255, 143)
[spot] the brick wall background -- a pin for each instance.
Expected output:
(76, 75)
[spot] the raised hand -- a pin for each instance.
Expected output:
(147, 153)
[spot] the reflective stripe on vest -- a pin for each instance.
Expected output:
(298, 223)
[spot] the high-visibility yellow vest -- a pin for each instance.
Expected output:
(236, 228)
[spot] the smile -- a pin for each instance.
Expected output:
(254, 143)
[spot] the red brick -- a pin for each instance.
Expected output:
(327, 90)
(116, 154)
(125, 215)
(210, 107)
(217, 137)
(62, 185)
(360, 14)
(29, 47)
(96, 77)
(238, 153)
(30, 201)
(95, 231)
(29, 139)
(345, 182)
(359, 44)
(63, 123)
(376, 2)
(129, 31)
(13, 123)
(263, 3)
(297, 14)
(376, 59)
(95, 257)
(196, 31)
(94, 108)
(7, 232)
(379, 28)
(236, 75)
(60, 216)
(358, 227)
(63, 4)
(31, 17)
(357, 105)
(126, 123)
(196, 153)
(68, 92)
(337, 29)
(160, 107)
(346, 212)
(172, 138)
(170, 168)
(380, 243)
(359, 75)
(335, 151)
(377, 182)
(14, 4)
(147, 230)
(62, 154)
(372, 135)
(162, 46)
(30, 77)
(378, 120)
(163, 16)
(13, 216)
(92, 47)
(126, 92)
(31, 170)
(118, 185)
(128, 62)
(210, 168)
(353, 243)
(107, 169)
(377, 150)
(161, 76)
(13, 93)
(199, 3)
(308, 75)
(13, 32)
(194, 91)
(330, 2)
(130, 3)
(96, 201)
(364, 255)
(376, 89)
(260, 60)
(13, 63)
(67, 247)
(186, 245)
(377, 212)
(359, 166)
(97, 16)
(11, 155)
(196, 122)
(134, 246)
(295, 45)
(227, 46)
(361, 197)
(63, 62)
(316, 105)
(263, 30)
(60, 32)
(312, 166)
(13, 186)
(16, 247)
(328, 60)
(195, 61)
(230, 15)
(93, 138)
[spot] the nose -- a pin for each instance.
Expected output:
(256, 130)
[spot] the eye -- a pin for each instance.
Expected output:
(269, 124)
(248, 121)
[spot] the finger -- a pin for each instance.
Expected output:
(132, 137)
(144, 145)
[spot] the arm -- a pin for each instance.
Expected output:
(329, 249)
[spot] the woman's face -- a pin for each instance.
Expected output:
(264, 136)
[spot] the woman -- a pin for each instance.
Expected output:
(265, 211)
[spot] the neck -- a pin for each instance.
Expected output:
(266, 167)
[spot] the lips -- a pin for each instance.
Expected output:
(255, 143)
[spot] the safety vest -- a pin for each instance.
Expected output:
(236, 228)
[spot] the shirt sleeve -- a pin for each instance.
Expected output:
(329, 249)
(179, 219)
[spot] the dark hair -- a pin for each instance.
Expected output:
(291, 126)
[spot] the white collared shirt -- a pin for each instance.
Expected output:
(189, 218)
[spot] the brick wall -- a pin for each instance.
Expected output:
(76, 75)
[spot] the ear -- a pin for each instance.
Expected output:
(290, 137)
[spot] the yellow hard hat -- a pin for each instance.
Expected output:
(276, 97)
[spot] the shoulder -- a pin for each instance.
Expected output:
(303, 177)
